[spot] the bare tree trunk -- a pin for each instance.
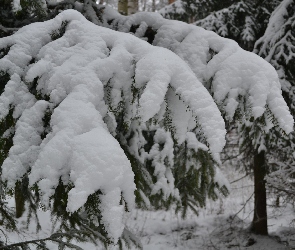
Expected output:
(278, 201)
(132, 6)
(154, 5)
(19, 200)
(123, 7)
(144, 5)
(171, 1)
(259, 223)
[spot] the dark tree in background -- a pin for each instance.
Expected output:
(243, 21)
(277, 47)
(268, 28)
(15, 16)
(192, 10)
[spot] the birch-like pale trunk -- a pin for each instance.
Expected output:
(132, 6)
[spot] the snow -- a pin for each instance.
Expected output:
(16, 6)
(26, 142)
(84, 76)
(227, 71)
(87, 76)
(219, 225)
(174, 8)
(17, 95)
(158, 158)
(276, 45)
(193, 143)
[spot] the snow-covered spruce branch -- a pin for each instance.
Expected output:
(277, 47)
(6, 31)
(99, 112)
(79, 99)
(40, 243)
(235, 78)
(217, 62)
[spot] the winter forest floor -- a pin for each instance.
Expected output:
(221, 225)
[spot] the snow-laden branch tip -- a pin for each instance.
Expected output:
(77, 75)
(232, 75)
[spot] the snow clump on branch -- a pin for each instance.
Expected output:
(77, 73)
(235, 78)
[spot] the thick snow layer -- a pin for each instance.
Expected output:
(220, 64)
(84, 75)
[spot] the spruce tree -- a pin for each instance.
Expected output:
(274, 156)
(144, 104)
(78, 139)
(277, 47)
(192, 10)
(244, 21)
(255, 132)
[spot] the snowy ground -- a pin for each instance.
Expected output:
(218, 226)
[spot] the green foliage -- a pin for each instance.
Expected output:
(4, 52)
(60, 32)
(7, 217)
(31, 11)
(83, 225)
(277, 47)
(192, 10)
(193, 171)
(6, 126)
(194, 177)
(128, 240)
(4, 78)
(243, 21)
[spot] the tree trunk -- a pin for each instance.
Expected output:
(19, 200)
(153, 5)
(123, 7)
(259, 223)
(132, 6)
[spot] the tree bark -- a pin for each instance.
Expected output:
(259, 223)
(123, 7)
(19, 200)
(132, 6)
